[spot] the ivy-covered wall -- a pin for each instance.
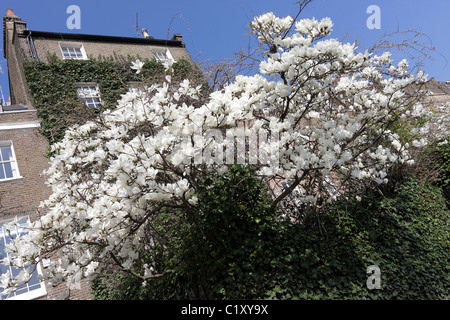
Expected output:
(53, 87)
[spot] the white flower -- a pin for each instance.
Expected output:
(137, 65)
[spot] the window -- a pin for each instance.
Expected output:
(74, 51)
(8, 163)
(162, 55)
(34, 288)
(89, 94)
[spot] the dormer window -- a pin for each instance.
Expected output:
(163, 55)
(73, 51)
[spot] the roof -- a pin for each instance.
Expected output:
(432, 87)
(437, 87)
(103, 38)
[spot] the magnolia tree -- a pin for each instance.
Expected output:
(316, 118)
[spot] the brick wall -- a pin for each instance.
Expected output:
(95, 49)
(22, 196)
(69, 291)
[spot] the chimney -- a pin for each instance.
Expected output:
(145, 33)
(178, 37)
(13, 27)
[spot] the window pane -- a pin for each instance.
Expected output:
(6, 153)
(97, 102)
(161, 56)
(23, 289)
(3, 268)
(80, 92)
(34, 280)
(8, 170)
(2, 172)
(92, 103)
(15, 272)
(66, 52)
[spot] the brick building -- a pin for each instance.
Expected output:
(23, 149)
(435, 96)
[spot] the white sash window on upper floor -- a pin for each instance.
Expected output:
(72, 51)
(8, 163)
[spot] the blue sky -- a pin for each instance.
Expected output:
(214, 29)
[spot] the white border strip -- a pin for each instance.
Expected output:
(19, 125)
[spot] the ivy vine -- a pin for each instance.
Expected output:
(52, 85)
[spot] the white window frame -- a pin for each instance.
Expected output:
(12, 161)
(73, 46)
(29, 295)
(90, 96)
(163, 55)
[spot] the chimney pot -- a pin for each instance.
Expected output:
(145, 33)
(10, 12)
(177, 37)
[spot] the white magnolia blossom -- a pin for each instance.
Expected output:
(320, 110)
(137, 65)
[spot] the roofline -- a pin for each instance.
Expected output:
(92, 37)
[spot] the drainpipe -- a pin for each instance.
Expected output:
(2, 100)
(31, 46)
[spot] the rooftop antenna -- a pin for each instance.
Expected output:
(137, 24)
